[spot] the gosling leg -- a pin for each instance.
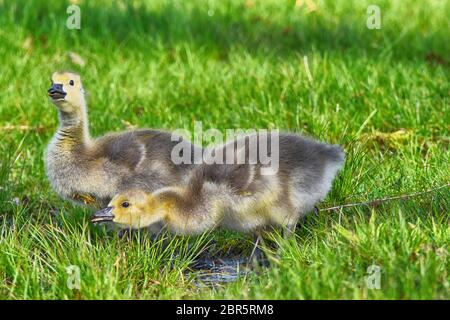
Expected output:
(257, 256)
(255, 248)
(124, 234)
(289, 231)
(316, 210)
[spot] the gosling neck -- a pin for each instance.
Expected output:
(178, 213)
(74, 126)
(169, 203)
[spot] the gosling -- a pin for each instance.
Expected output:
(91, 171)
(239, 197)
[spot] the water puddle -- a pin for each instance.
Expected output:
(210, 272)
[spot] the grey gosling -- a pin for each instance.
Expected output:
(237, 196)
(92, 171)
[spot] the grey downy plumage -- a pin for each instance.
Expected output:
(91, 170)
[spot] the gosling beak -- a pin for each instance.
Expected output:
(56, 92)
(103, 215)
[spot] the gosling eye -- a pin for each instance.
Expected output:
(125, 204)
(71, 82)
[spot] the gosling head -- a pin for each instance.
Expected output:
(133, 209)
(66, 92)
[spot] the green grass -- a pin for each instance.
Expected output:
(236, 64)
